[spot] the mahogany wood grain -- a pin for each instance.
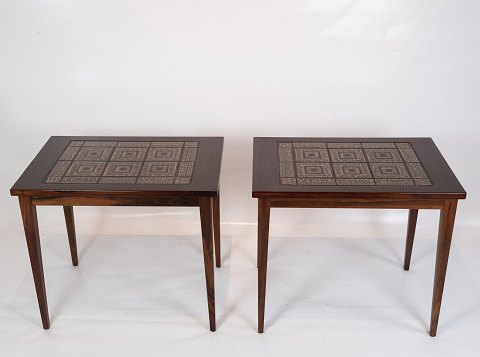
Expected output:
(202, 191)
(72, 240)
(266, 173)
(354, 203)
(30, 224)
(447, 220)
(115, 200)
(263, 232)
(207, 239)
(412, 224)
(205, 177)
(272, 192)
(216, 229)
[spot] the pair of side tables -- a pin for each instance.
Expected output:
(401, 173)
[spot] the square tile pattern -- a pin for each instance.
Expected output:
(350, 164)
(125, 162)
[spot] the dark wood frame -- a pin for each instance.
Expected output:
(202, 193)
(443, 195)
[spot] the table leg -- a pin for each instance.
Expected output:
(68, 211)
(30, 224)
(216, 229)
(412, 224)
(447, 220)
(259, 233)
(206, 219)
(263, 231)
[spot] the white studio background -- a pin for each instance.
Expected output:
(237, 69)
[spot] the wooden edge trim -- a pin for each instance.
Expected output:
(355, 203)
(116, 201)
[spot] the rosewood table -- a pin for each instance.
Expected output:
(405, 173)
(122, 171)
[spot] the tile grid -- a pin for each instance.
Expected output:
(387, 159)
(108, 160)
(125, 162)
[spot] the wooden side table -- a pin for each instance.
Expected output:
(122, 171)
(407, 173)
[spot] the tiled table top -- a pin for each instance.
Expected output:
(125, 162)
(83, 164)
(354, 164)
(351, 165)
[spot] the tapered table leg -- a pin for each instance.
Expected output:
(447, 220)
(72, 240)
(30, 224)
(258, 240)
(263, 231)
(207, 239)
(412, 224)
(216, 229)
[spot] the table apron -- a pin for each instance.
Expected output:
(355, 203)
(116, 201)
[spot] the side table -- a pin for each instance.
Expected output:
(405, 173)
(122, 171)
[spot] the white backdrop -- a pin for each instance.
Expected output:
(237, 69)
(241, 69)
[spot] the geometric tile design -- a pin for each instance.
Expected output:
(350, 164)
(383, 155)
(355, 170)
(94, 153)
(347, 155)
(164, 154)
(125, 162)
(85, 168)
(155, 168)
(313, 170)
(129, 154)
(311, 155)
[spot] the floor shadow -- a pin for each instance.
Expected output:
(326, 264)
(130, 269)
